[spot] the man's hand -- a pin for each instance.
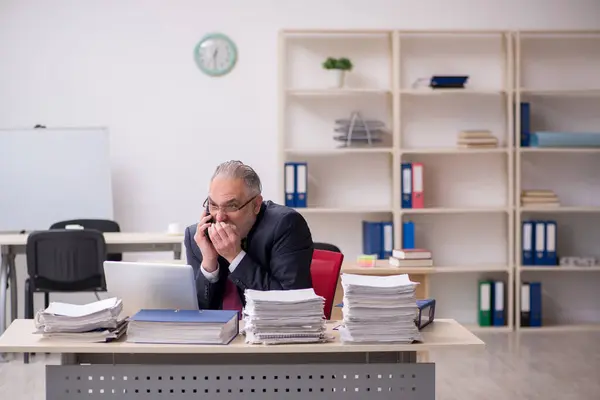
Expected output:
(226, 240)
(209, 253)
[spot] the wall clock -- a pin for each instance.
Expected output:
(215, 54)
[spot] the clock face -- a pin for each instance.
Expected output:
(215, 54)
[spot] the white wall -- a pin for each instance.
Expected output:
(128, 65)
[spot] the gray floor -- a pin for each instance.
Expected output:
(548, 366)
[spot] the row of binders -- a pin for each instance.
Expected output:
(378, 237)
(491, 298)
(296, 184)
(531, 304)
(412, 185)
(538, 240)
(492, 303)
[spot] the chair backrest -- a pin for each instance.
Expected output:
(102, 225)
(325, 272)
(326, 246)
(66, 259)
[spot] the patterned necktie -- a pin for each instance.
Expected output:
(231, 298)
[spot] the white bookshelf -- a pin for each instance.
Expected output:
(556, 72)
(472, 216)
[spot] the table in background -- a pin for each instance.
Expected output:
(331, 370)
(116, 242)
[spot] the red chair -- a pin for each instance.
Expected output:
(325, 272)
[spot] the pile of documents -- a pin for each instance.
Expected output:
(183, 326)
(477, 140)
(284, 316)
(411, 258)
(93, 322)
(379, 309)
(539, 198)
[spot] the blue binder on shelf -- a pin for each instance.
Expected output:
(527, 243)
(388, 239)
(498, 295)
(406, 176)
(539, 255)
(550, 250)
(535, 304)
(301, 184)
(289, 183)
(372, 237)
(408, 235)
(525, 124)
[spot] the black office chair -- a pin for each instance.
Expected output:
(326, 246)
(102, 225)
(63, 260)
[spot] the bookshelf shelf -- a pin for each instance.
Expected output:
(473, 212)
(455, 150)
(448, 210)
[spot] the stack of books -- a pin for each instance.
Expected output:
(183, 326)
(379, 309)
(284, 316)
(411, 258)
(539, 198)
(92, 322)
(477, 140)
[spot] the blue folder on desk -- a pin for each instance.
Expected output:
(183, 326)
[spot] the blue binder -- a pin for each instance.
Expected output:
(525, 124)
(498, 296)
(185, 316)
(301, 184)
(372, 237)
(539, 255)
(408, 235)
(387, 245)
(535, 308)
(551, 242)
(289, 184)
(527, 243)
(406, 187)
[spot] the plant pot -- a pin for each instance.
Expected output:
(340, 77)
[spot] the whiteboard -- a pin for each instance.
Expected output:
(49, 175)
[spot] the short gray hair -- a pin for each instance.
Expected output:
(238, 170)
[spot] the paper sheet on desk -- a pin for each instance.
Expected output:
(80, 310)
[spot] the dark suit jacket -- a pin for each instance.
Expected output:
(278, 257)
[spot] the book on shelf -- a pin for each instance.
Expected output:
(406, 258)
(539, 198)
(477, 139)
(412, 184)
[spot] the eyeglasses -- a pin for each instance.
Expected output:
(229, 208)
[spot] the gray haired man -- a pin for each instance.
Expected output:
(243, 242)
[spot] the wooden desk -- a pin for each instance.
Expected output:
(118, 242)
(382, 268)
(331, 370)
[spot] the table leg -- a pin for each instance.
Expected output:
(14, 298)
(3, 284)
(177, 252)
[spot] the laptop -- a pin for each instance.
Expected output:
(142, 285)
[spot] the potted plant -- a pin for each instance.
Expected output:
(338, 66)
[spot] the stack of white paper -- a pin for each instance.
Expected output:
(379, 309)
(284, 316)
(62, 318)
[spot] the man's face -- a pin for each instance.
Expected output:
(225, 198)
